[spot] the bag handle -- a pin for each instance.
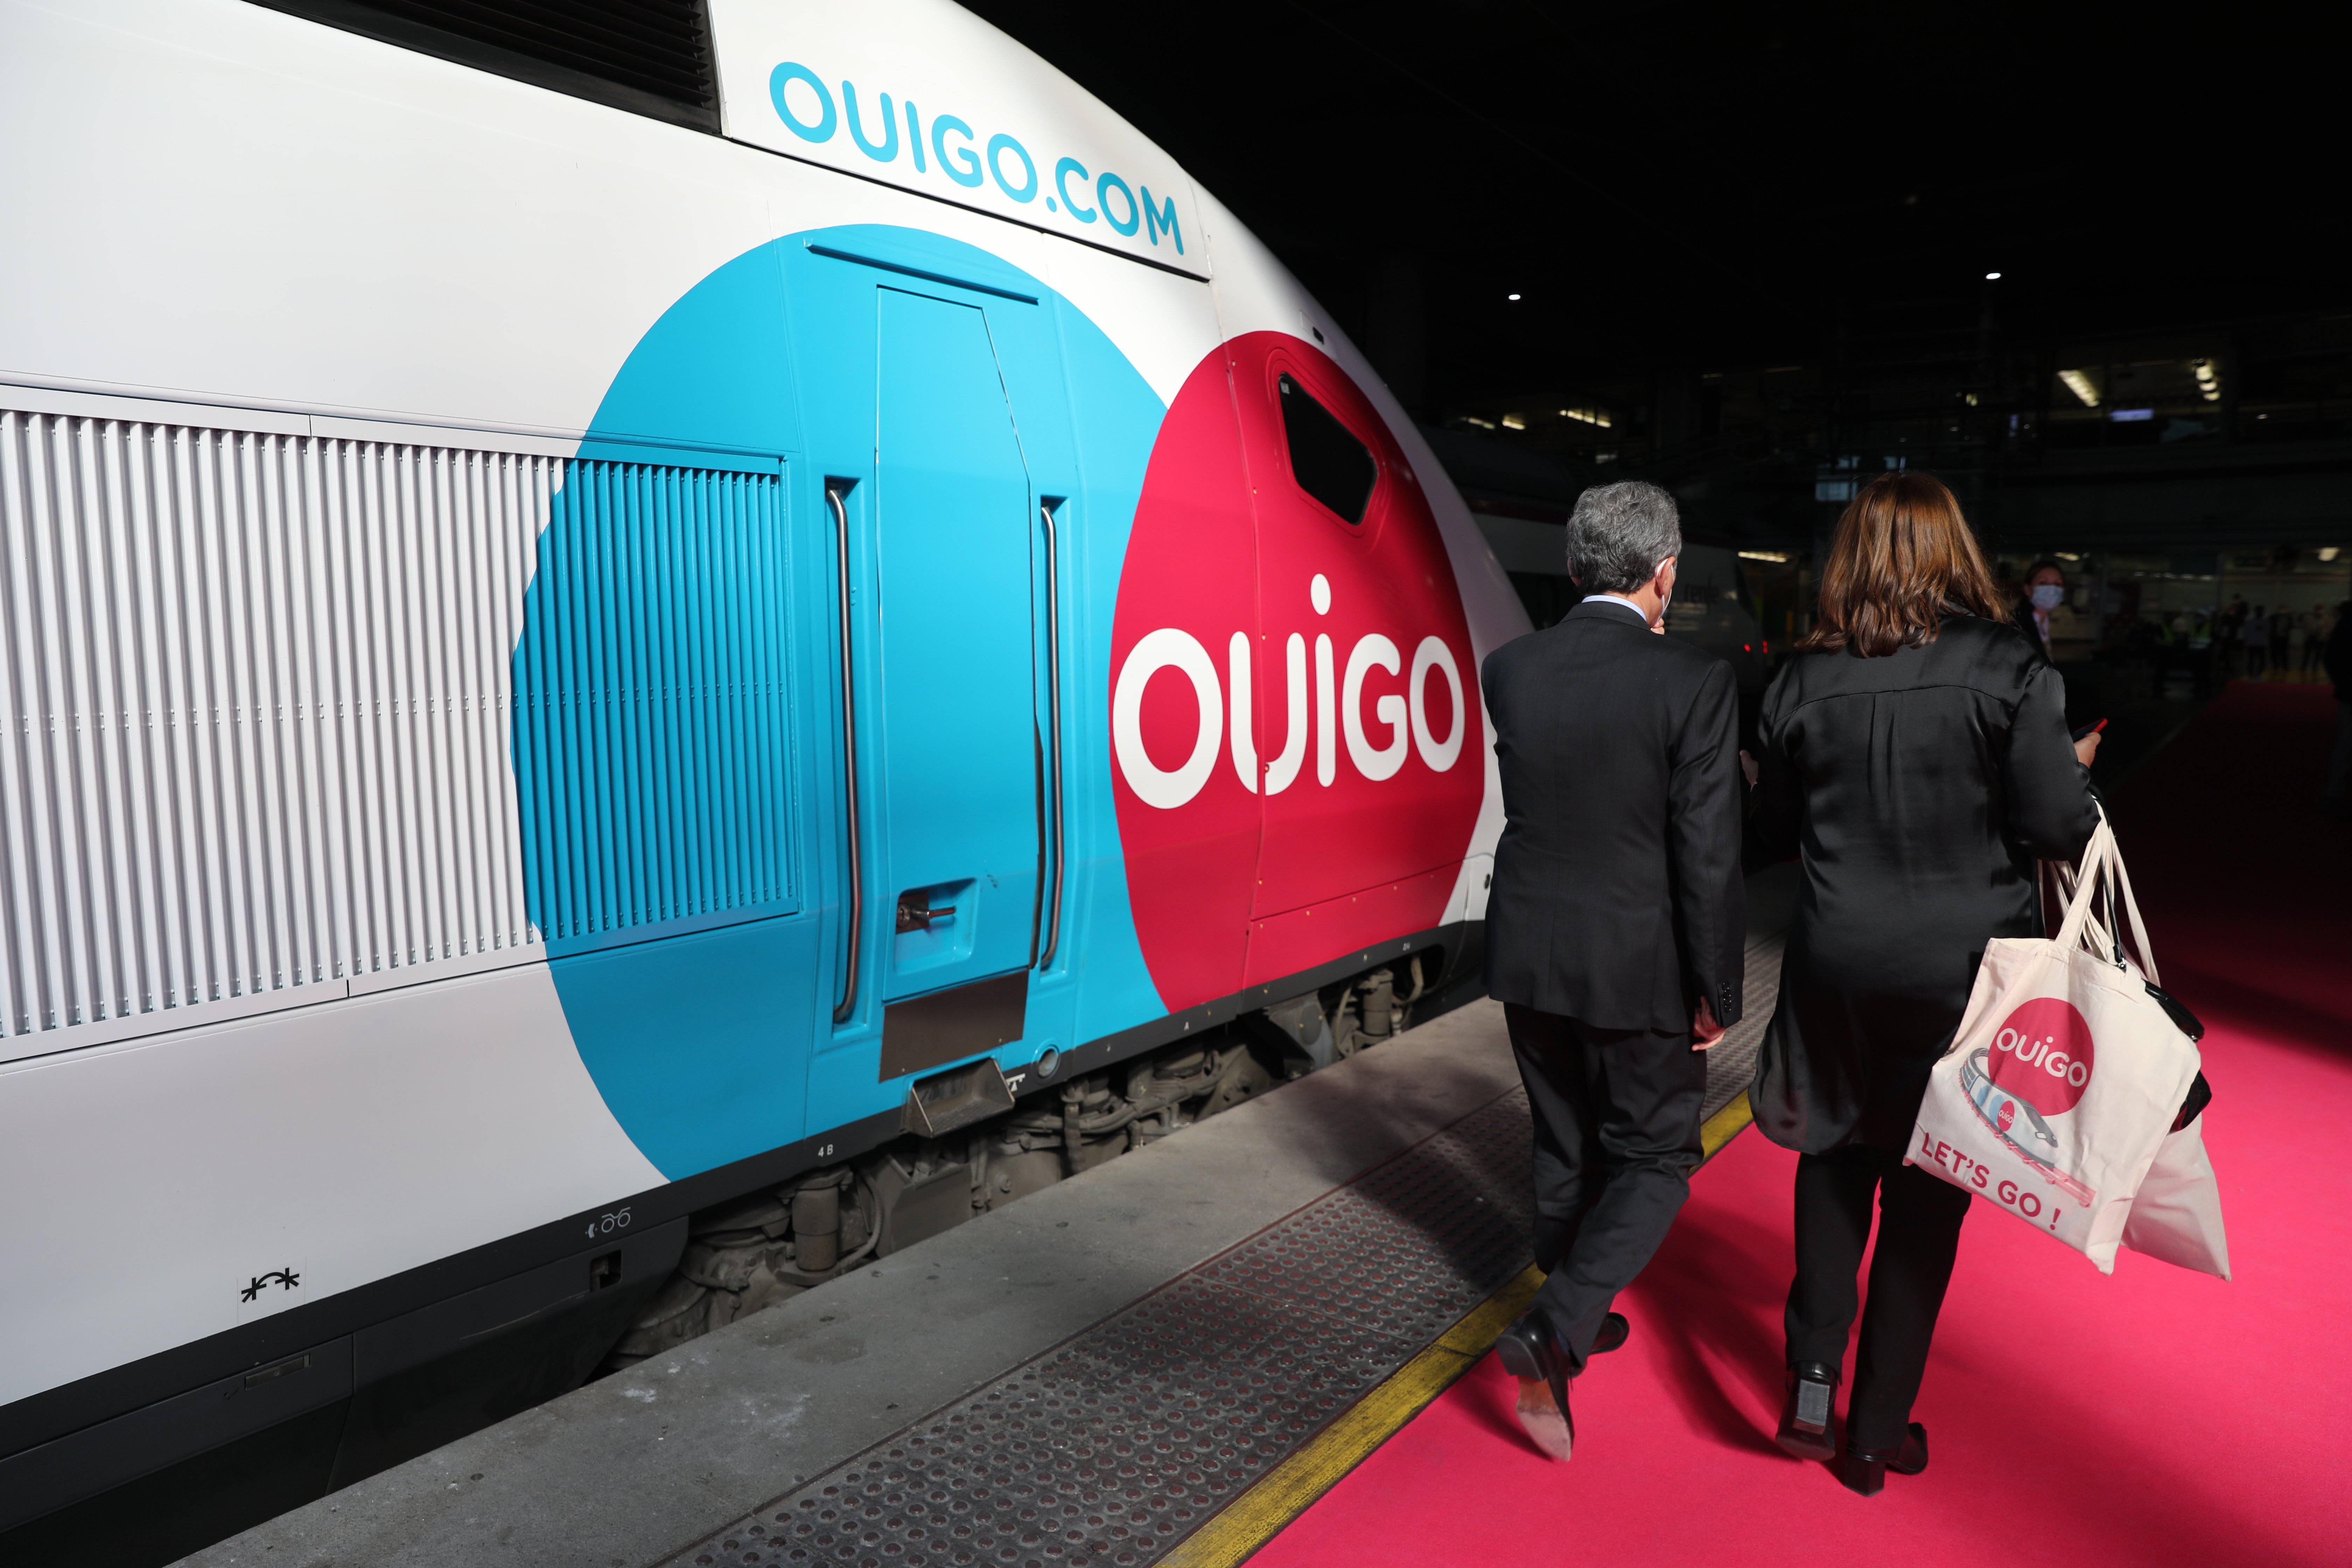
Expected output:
(2088, 879)
(2139, 932)
(2099, 874)
(2084, 894)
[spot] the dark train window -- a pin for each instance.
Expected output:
(651, 57)
(1330, 464)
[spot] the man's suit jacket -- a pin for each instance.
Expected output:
(1617, 897)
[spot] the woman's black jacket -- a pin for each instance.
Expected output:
(1920, 788)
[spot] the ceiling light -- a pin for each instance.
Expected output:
(1991, 277)
(2080, 385)
(1589, 416)
(1512, 296)
(2329, 551)
(1514, 422)
(1777, 557)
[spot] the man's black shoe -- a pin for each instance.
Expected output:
(1532, 1354)
(1805, 1414)
(1614, 1331)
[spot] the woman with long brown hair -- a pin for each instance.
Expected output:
(1916, 755)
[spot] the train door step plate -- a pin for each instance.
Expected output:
(1110, 1449)
(956, 1099)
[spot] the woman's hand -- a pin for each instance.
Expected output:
(2087, 748)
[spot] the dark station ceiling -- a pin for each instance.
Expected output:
(1674, 182)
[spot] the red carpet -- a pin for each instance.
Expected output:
(2155, 1417)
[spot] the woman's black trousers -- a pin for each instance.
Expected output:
(1918, 1234)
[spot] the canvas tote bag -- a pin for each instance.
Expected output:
(2176, 1216)
(2063, 1078)
(2177, 1212)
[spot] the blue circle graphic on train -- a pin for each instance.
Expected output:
(675, 730)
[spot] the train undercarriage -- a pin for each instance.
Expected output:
(771, 1245)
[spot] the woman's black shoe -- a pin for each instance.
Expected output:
(1865, 1471)
(1805, 1412)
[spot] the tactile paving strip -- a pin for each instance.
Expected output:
(1107, 1450)
(1731, 1061)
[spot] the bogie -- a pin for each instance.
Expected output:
(755, 1251)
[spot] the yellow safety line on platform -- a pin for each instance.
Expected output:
(1258, 1514)
(1724, 1126)
(1293, 1487)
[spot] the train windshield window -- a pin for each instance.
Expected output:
(1328, 460)
(649, 57)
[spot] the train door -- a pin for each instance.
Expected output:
(951, 870)
(1366, 690)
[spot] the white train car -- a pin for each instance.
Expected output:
(687, 611)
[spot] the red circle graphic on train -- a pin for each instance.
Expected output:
(1297, 748)
(2042, 1054)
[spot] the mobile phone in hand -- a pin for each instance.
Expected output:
(2089, 730)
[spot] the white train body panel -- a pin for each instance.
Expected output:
(461, 1115)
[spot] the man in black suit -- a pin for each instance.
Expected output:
(1616, 926)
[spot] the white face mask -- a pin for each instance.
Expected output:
(2048, 595)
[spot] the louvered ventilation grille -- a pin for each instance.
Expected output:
(258, 694)
(652, 739)
(659, 47)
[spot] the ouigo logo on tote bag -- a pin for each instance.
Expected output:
(2038, 1065)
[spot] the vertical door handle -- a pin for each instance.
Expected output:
(1054, 724)
(833, 490)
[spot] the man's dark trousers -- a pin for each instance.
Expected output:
(1616, 1126)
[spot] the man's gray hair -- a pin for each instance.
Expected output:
(1619, 535)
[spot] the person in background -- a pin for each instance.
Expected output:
(1616, 930)
(2045, 595)
(1916, 757)
(2338, 792)
(2181, 652)
(2318, 625)
(2254, 638)
(2281, 619)
(2291, 657)
(2226, 628)
(2067, 633)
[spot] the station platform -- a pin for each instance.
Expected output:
(1159, 1360)
(1265, 1339)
